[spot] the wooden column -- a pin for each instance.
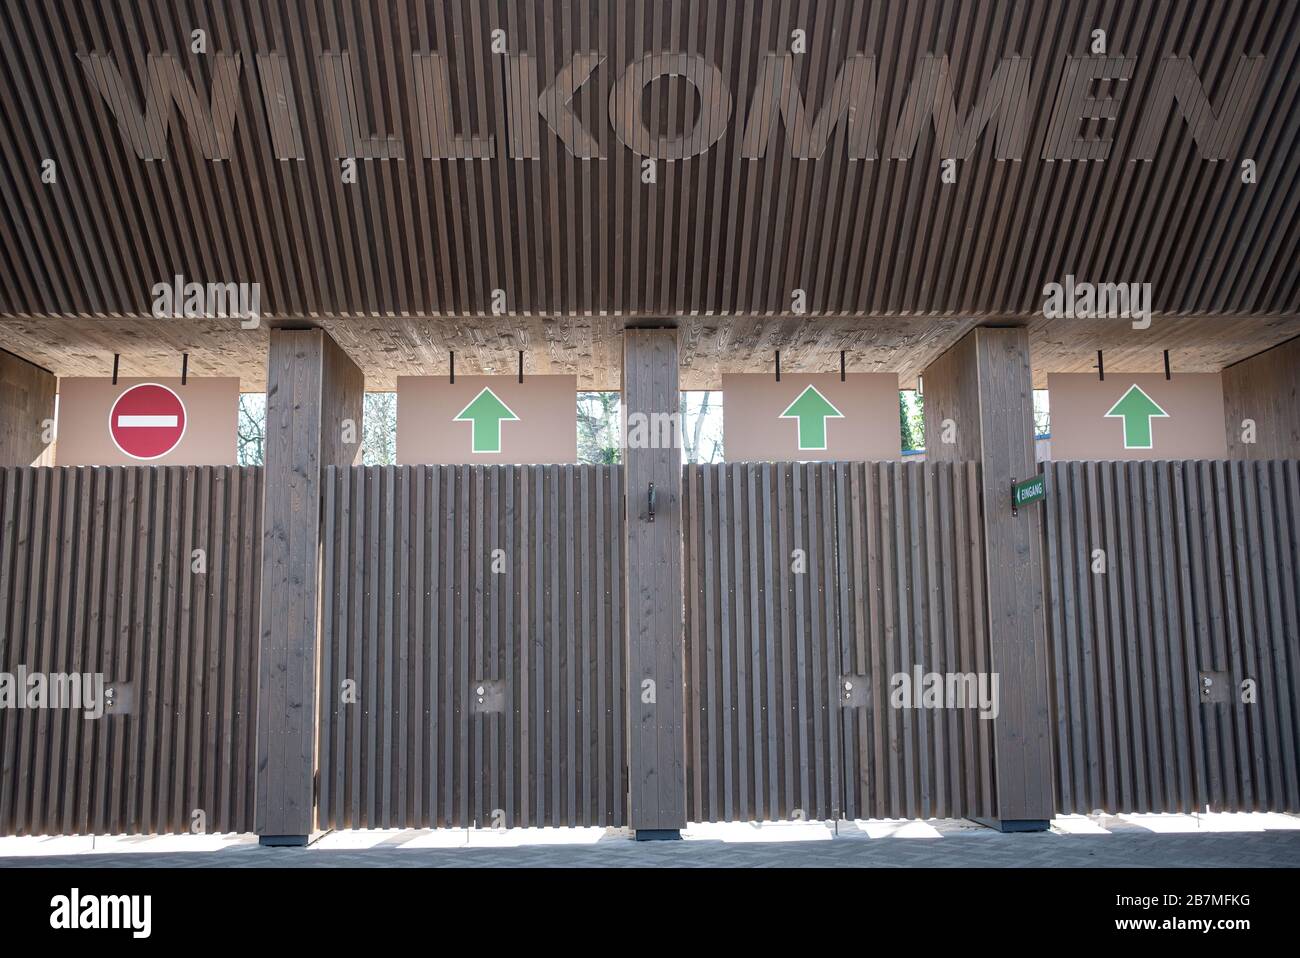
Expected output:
(1264, 389)
(979, 395)
(312, 389)
(653, 597)
(26, 404)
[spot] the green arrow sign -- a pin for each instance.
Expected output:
(1137, 409)
(812, 409)
(486, 412)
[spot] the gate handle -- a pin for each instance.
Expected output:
(652, 502)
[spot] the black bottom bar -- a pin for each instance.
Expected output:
(658, 834)
(1014, 824)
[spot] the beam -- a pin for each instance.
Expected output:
(1261, 404)
(313, 391)
(979, 397)
(653, 597)
(26, 412)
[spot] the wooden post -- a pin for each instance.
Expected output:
(1261, 404)
(979, 406)
(26, 406)
(653, 596)
(313, 390)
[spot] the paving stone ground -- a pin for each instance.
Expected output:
(1162, 841)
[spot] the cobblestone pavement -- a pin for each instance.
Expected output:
(1128, 841)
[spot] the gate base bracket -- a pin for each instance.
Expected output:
(658, 834)
(291, 841)
(1014, 824)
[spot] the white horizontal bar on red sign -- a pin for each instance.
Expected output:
(124, 422)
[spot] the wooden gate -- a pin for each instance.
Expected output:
(99, 574)
(1175, 648)
(472, 665)
(808, 587)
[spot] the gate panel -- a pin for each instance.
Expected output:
(911, 599)
(893, 579)
(762, 734)
(97, 576)
(444, 580)
(1202, 570)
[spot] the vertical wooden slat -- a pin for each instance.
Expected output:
(849, 621)
(1119, 677)
(726, 649)
(97, 657)
(1181, 678)
(184, 605)
(221, 506)
(472, 591)
(757, 672)
(1279, 565)
(459, 674)
(419, 639)
(331, 599)
(775, 718)
(65, 636)
(432, 678)
(127, 485)
(566, 629)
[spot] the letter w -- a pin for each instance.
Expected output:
(211, 127)
(852, 99)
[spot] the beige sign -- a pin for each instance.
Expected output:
(487, 419)
(147, 422)
(1137, 416)
(810, 417)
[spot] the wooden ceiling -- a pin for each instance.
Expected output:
(401, 265)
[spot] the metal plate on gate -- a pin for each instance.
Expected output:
(1215, 687)
(119, 698)
(854, 691)
(488, 695)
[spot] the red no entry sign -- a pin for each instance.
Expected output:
(147, 421)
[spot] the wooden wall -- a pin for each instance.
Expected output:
(952, 404)
(1265, 389)
(26, 402)
(420, 610)
(892, 578)
(1201, 574)
(96, 575)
